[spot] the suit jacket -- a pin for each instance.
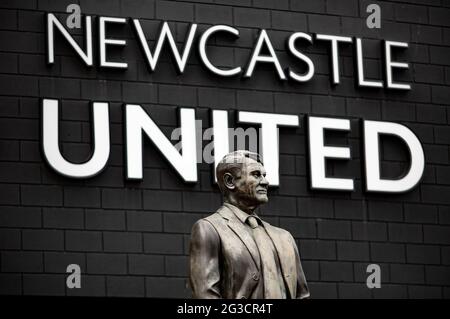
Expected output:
(225, 262)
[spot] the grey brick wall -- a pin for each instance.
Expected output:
(132, 238)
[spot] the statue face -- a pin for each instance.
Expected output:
(251, 186)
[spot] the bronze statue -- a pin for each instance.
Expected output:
(233, 253)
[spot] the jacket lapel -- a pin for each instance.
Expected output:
(239, 229)
(286, 256)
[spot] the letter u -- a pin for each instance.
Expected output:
(101, 140)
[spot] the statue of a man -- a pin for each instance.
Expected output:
(233, 252)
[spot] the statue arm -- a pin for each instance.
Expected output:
(302, 287)
(204, 261)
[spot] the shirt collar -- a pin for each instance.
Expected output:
(241, 215)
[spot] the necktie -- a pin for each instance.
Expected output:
(272, 288)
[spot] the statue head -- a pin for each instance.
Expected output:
(241, 177)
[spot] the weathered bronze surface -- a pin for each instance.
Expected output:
(233, 253)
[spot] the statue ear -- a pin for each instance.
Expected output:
(228, 181)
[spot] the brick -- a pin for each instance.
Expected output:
(101, 7)
(101, 90)
(41, 195)
(173, 244)
(122, 242)
(426, 34)
(22, 4)
(20, 216)
(385, 252)
(40, 239)
(407, 274)
(122, 198)
(162, 200)
(405, 233)
(441, 135)
(179, 222)
(438, 55)
(323, 24)
(436, 234)
(440, 94)
(57, 262)
(323, 290)
(216, 97)
(144, 221)
(213, 14)
(8, 62)
(44, 285)
(106, 264)
(391, 292)
(292, 103)
(444, 215)
(292, 185)
(83, 241)
(63, 218)
(328, 229)
(353, 251)
(398, 111)
(139, 92)
(431, 113)
(422, 254)
(439, 16)
(346, 209)
(10, 150)
(138, 9)
(336, 271)
(300, 227)
(411, 13)
(177, 95)
(10, 194)
(436, 194)
(311, 269)
(314, 6)
(10, 238)
(370, 231)
(99, 219)
(353, 291)
(349, 8)
(315, 207)
(254, 100)
(58, 88)
(289, 21)
(167, 10)
(19, 129)
(279, 206)
(21, 261)
(436, 154)
(125, 286)
(92, 286)
(81, 197)
(385, 211)
(445, 253)
(416, 213)
(317, 250)
(18, 85)
(201, 202)
(437, 275)
(177, 266)
(368, 109)
(328, 105)
(146, 265)
(424, 292)
(10, 284)
(160, 287)
(255, 18)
